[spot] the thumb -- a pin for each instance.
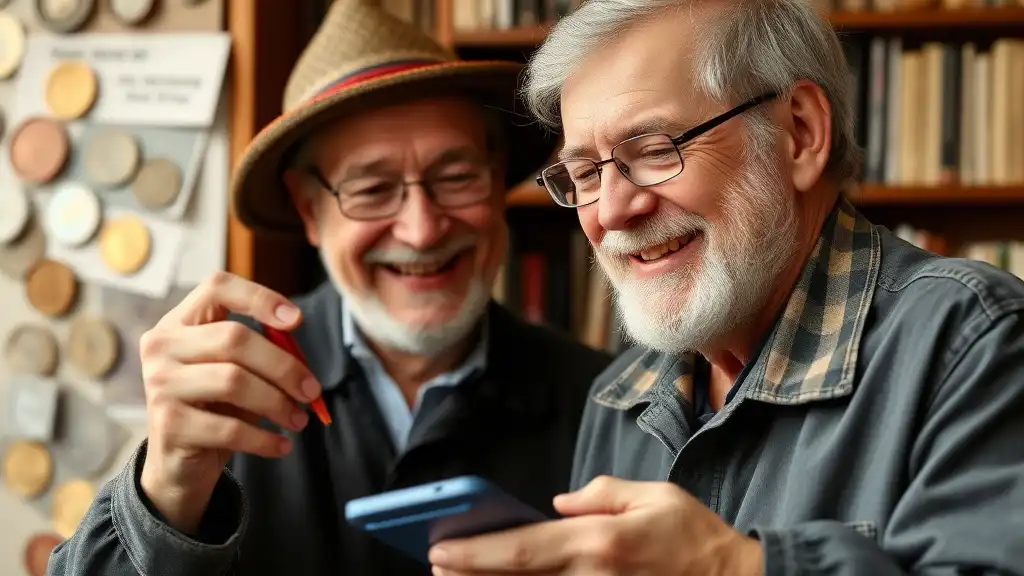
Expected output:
(602, 495)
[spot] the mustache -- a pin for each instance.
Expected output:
(435, 254)
(654, 231)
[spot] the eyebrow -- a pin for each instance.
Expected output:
(655, 125)
(386, 167)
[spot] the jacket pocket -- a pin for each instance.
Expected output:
(865, 528)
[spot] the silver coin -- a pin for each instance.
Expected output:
(132, 12)
(111, 157)
(14, 213)
(73, 214)
(64, 16)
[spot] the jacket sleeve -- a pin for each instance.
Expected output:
(123, 535)
(962, 510)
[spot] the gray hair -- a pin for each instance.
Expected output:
(757, 46)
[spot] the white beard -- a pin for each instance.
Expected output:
(692, 309)
(377, 324)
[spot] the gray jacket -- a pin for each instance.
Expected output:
(879, 429)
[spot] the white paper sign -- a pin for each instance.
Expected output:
(33, 405)
(144, 79)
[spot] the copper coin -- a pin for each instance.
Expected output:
(125, 244)
(71, 500)
(51, 288)
(37, 552)
(92, 345)
(17, 258)
(27, 468)
(32, 350)
(39, 150)
(157, 183)
(71, 89)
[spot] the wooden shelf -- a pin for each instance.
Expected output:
(528, 194)
(1001, 18)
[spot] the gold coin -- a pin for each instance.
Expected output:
(125, 244)
(51, 288)
(71, 500)
(27, 468)
(71, 90)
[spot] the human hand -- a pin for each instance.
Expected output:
(612, 527)
(208, 382)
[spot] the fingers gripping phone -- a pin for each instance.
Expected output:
(413, 519)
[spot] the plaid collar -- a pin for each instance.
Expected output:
(810, 354)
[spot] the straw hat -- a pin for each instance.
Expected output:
(363, 56)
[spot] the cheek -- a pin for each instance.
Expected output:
(346, 244)
(488, 224)
(590, 223)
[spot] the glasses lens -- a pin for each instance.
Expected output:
(377, 201)
(649, 160)
(461, 188)
(573, 182)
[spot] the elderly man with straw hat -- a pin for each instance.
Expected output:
(392, 157)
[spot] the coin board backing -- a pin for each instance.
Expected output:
(185, 147)
(32, 349)
(74, 15)
(17, 258)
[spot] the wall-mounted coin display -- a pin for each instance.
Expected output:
(71, 500)
(31, 349)
(27, 468)
(125, 244)
(12, 44)
(51, 288)
(18, 257)
(132, 12)
(111, 157)
(72, 214)
(157, 184)
(37, 552)
(39, 150)
(15, 212)
(71, 89)
(64, 16)
(93, 346)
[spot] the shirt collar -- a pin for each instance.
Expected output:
(811, 352)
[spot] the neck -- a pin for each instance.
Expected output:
(411, 371)
(736, 350)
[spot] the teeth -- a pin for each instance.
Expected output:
(660, 250)
(418, 269)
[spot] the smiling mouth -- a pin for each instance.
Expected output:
(423, 268)
(664, 249)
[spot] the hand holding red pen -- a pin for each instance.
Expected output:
(208, 383)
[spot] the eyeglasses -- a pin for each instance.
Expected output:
(383, 198)
(645, 160)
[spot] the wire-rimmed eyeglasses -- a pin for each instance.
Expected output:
(384, 197)
(645, 160)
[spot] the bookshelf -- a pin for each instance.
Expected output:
(956, 185)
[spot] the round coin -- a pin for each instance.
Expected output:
(51, 288)
(37, 552)
(38, 150)
(71, 500)
(125, 244)
(31, 350)
(14, 213)
(111, 157)
(132, 12)
(73, 214)
(18, 257)
(92, 345)
(64, 15)
(27, 468)
(12, 44)
(157, 183)
(71, 89)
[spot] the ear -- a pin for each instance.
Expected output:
(809, 134)
(295, 183)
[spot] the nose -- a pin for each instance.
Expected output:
(420, 224)
(622, 204)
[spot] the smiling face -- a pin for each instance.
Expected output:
(417, 280)
(694, 256)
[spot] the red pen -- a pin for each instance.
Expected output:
(286, 341)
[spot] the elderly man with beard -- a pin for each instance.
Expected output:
(809, 394)
(391, 158)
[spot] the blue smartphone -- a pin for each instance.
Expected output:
(413, 519)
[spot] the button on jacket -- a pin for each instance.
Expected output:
(514, 424)
(879, 429)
